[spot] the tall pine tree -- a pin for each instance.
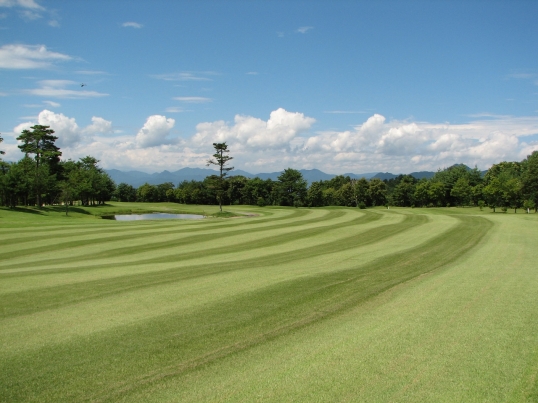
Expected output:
(40, 141)
(221, 159)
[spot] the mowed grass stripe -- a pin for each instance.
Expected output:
(196, 246)
(257, 244)
(96, 315)
(36, 300)
(106, 365)
(45, 243)
(467, 333)
(44, 227)
(117, 228)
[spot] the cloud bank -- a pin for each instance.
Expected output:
(286, 139)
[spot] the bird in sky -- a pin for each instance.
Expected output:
(82, 85)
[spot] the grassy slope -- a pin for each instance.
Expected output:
(323, 304)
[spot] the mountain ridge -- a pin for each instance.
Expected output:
(138, 178)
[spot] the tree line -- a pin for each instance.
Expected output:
(507, 185)
(42, 177)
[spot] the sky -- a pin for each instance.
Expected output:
(340, 86)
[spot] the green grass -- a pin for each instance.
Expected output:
(279, 304)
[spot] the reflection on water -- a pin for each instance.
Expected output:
(154, 216)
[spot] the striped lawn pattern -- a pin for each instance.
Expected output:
(105, 311)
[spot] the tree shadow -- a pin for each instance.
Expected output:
(61, 209)
(29, 210)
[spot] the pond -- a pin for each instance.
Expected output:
(153, 216)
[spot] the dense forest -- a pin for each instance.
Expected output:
(41, 177)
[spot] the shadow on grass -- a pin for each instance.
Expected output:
(72, 209)
(29, 210)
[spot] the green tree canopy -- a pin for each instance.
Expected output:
(529, 178)
(292, 188)
(40, 141)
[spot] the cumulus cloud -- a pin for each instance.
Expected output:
(411, 146)
(66, 129)
(285, 140)
(254, 133)
(99, 125)
(155, 131)
(29, 57)
(58, 89)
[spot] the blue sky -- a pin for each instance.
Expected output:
(342, 86)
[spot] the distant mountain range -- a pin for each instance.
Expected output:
(137, 178)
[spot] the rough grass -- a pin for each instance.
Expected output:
(287, 305)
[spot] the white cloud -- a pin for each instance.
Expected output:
(52, 103)
(57, 89)
(304, 30)
(345, 112)
(66, 129)
(30, 10)
(412, 146)
(155, 131)
(99, 125)
(193, 100)
(284, 140)
(174, 109)
(402, 140)
(254, 133)
(29, 57)
(29, 15)
(132, 25)
(91, 72)
(31, 4)
(185, 76)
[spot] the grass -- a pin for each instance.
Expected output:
(281, 305)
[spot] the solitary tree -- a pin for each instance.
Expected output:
(40, 141)
(221, 159)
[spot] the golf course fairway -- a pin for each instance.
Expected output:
(272, 304)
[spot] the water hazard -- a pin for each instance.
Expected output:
(153, 216)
